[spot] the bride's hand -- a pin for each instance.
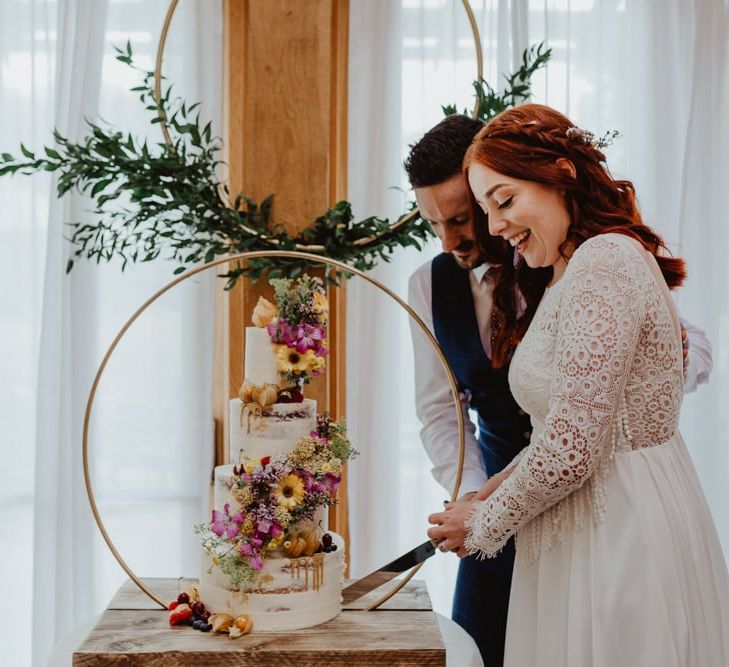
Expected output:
(449, 531)
(492, 484)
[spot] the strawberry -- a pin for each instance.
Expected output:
(172, 605)
(180, 614)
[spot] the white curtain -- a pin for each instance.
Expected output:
(151, 430)
(656, 71)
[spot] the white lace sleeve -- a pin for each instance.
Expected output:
(601, 310)
(515, 461)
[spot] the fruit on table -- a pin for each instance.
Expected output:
(180, 614)
(221, 622)
(241, 626)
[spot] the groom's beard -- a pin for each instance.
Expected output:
(467, 255)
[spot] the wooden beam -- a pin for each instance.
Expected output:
(286, 135)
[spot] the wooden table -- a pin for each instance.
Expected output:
(135, 631)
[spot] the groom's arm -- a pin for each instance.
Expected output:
(699, 362)
(434, 404)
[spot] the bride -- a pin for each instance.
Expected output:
(618, 561)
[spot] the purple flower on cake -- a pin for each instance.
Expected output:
(308, 337)
(270, 474)
(247, 550)
(265, 522)
(331, 482)
(225, 524)
(310, 482)
(280, 332)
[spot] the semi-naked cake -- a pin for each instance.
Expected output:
(267, 555)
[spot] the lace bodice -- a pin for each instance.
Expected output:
(598, 371)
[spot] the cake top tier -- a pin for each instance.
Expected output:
(287, 345)
(261, 365)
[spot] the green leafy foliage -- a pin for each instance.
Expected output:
(517, 89)
(159, 199)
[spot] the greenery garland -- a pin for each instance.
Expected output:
(151, 199)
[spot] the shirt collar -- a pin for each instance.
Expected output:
(480, 271)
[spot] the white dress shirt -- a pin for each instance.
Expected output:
(433, 402)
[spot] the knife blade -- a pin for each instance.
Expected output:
(371, 581)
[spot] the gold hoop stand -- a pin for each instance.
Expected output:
(242, 257)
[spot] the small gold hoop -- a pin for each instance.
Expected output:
(275, 242)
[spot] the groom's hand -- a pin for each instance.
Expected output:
(449, 526)
(466, 497)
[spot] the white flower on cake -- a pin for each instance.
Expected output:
(264, 312)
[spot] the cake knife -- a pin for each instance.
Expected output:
(368, 583)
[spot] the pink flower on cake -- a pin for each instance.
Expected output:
(280, 332)
(250, 552)
(331, 482)
(225, 524)
(308, 337)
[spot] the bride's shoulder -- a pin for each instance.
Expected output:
(611, 250)
(608, 259)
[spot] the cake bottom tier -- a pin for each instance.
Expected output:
(291, 593)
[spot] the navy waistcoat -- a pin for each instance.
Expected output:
(503, 429)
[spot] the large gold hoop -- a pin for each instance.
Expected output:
(242, 257)
(313, 248)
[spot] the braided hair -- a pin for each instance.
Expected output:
(525, 142)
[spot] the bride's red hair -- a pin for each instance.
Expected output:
(525, 143)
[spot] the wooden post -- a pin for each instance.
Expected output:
(286, 130)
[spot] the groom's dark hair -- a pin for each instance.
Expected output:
(439, 154)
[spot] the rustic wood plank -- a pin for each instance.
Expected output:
(198, 659)
(135, 631)
(413, 597)
(144, 637)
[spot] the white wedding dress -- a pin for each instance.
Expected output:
(618, 562)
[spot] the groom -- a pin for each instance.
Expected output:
(452, 295)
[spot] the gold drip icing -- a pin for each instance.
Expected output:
(254, 401)
(297, 566)
(249, 411)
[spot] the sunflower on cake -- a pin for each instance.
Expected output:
(268, 560)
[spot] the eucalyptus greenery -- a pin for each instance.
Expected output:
(517, 89)
(154, 199)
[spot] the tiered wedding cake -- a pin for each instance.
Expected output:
(267, 555)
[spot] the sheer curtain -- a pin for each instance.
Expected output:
(151, 430)
(654, 71)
